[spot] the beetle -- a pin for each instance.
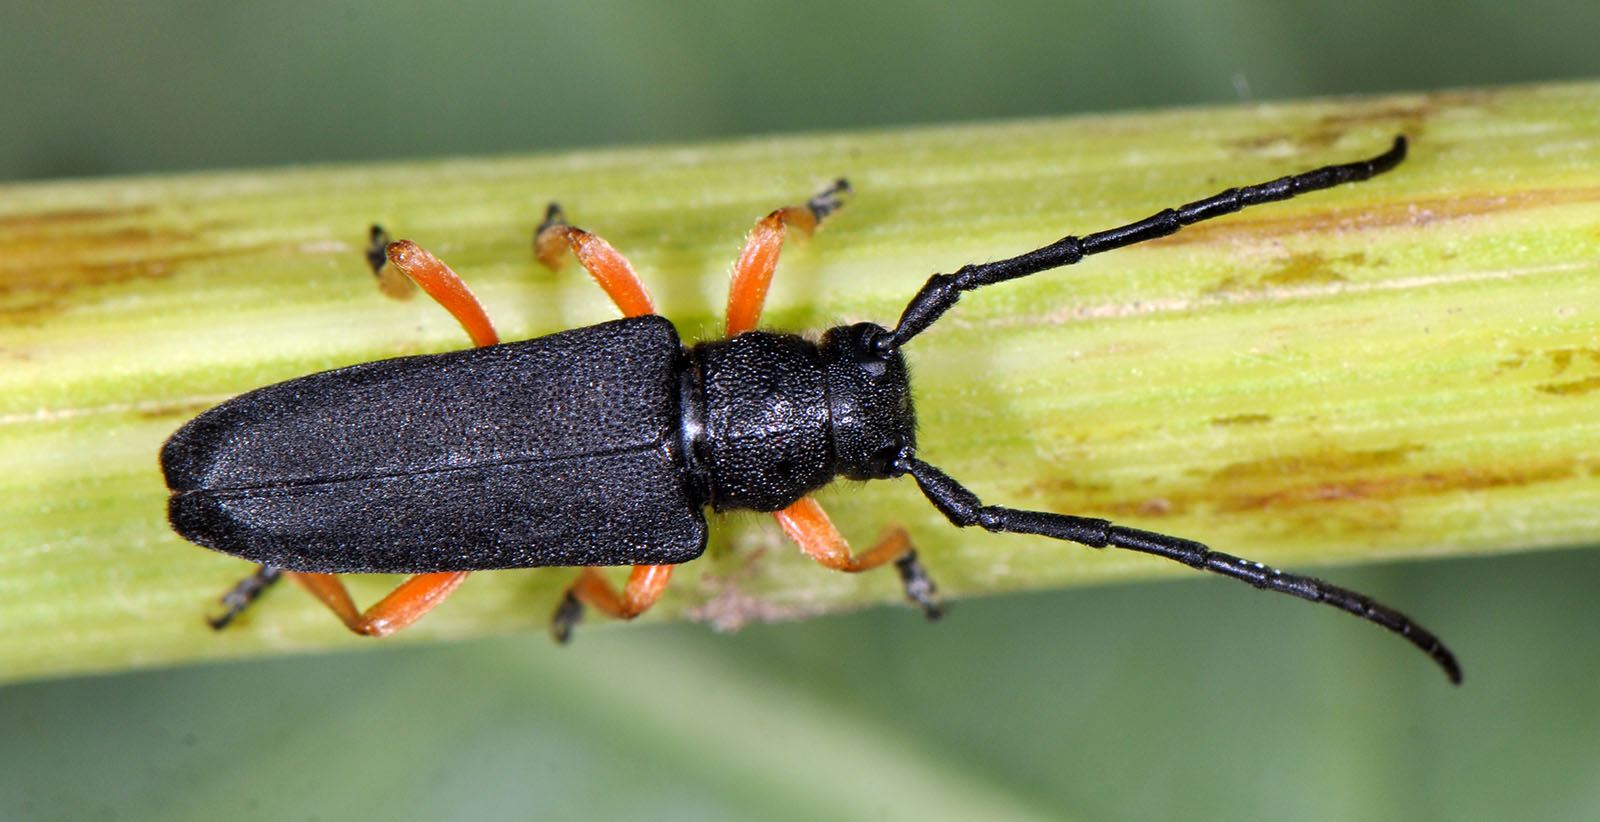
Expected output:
(603, 446)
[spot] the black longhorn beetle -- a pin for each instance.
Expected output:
(601, 446)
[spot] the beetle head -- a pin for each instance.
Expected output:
(869, 402)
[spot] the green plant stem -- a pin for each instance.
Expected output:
(1404, 367)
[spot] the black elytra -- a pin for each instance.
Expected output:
(603, 445)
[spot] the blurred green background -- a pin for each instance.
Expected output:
(1196, 699)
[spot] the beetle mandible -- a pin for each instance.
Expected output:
(602, 446)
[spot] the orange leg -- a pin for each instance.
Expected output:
(808, 525)
(445, 287)
(607, 265)
(616, 277)
(645, 585)
(753, 273)
(410, 600)
(419, 594)
(751, 276)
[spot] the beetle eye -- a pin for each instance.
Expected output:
(885, 457)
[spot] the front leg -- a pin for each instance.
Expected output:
(747, 294)
(808, 525)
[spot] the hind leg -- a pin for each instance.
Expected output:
(403, 606)
(419, 594)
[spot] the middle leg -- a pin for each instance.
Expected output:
(610, 270)
(615, 275)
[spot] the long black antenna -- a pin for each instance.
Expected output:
(942, 290)
(963, 508)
